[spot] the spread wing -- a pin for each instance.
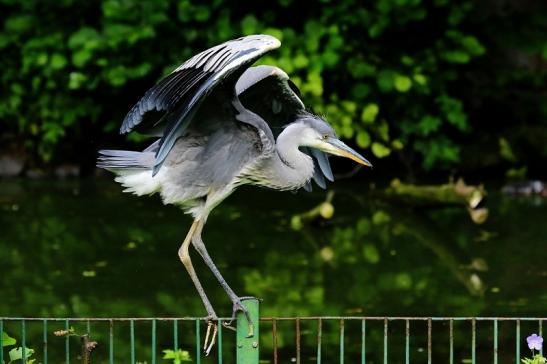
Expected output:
(170, 105)
(268, 91)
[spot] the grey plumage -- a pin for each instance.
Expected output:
(220, 125)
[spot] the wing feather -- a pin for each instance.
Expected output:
(178, 96)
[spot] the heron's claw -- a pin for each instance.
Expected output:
(238, 306)
(208, 344)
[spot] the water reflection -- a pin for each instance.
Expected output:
(86, 249)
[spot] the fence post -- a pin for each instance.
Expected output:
(247, 348)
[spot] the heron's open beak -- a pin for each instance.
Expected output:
(339, 148)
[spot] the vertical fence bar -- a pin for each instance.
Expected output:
(385, 340)
(23, 341)
(517, 343)
(274, 339)
(132, 339)
(44, 340)
(473, 341)
(495, 341)
(341, 341)
(67, 342)
(429, 324)
(219, 341)
(1, 344)
(175, 335)
(363, 341)
(111, 342)
(540, 333)
(319, 336)
(247, 348)
(451, 329)
(198, 342)
(153, 341)
(407, 342)
(297, 341)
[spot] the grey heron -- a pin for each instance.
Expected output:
(221, 123)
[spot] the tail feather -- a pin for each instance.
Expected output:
(124, 159)
(133, 170)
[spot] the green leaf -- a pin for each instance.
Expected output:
(380, 150)
(57, 61)
(420, 79)
(506, 151)
(397, 144)
(428, 124)
(274, 32)
(84, 38)
(380, 217)
(385, 80)
(249, 24)
(330, 58)
(369, 113)
(301, 61)
(363, 226)
(17, 353)
(177, 356)
(76, 80)
(402, 83)
(472, 45)
(7, 340)
(371, 254)
(19, 24)
(456, 57)
(5, 40)
(453, 109)
(202, 13)
(360, 91)
(81, 57)
(360, 68)
(363, 139)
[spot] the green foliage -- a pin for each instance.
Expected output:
(16, 354)
(177, 357)
(7, 340)
(537, 359)
(389, 74)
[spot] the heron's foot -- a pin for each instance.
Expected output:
(210, 335)
(238, 306)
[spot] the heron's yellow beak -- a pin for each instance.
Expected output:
(339, 148)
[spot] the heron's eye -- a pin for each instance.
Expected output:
(325, 137)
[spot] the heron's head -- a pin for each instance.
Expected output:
(317, 133)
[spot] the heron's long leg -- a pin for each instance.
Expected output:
(184, 256)
(202, 250)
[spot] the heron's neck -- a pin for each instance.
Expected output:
(290, 168)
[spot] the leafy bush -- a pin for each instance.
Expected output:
(16, 354)
(393, 75)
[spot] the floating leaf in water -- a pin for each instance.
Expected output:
(89, 273)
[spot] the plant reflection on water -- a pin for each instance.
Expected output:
(84, 249)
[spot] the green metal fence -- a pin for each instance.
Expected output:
(282, 339)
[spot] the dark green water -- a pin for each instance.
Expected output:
(83, 248)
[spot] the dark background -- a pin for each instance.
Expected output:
(433, 88)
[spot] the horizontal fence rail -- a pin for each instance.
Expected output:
(318, 339)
